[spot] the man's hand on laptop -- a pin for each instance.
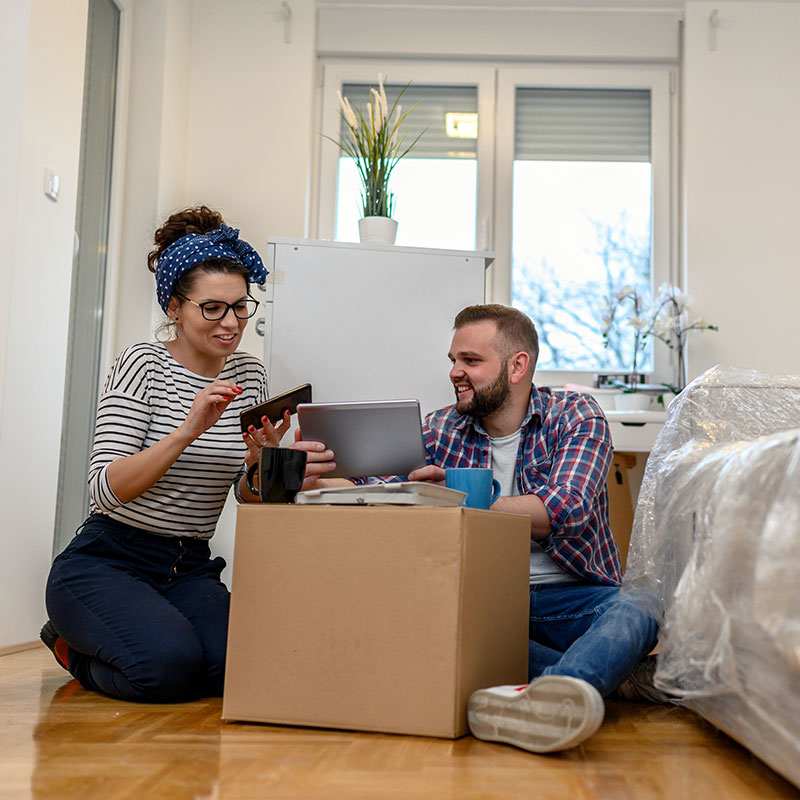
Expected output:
(430, 473)
(319, 462)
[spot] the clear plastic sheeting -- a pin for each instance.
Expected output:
(715, 550)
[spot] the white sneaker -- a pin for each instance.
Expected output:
(552, 713)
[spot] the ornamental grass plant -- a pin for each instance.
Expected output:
(374, 142)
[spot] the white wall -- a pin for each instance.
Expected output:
(38, 318)
(220, 113)
(250, 127)
(13, 57)
(429, 29)
(741, 129)
(156, 146)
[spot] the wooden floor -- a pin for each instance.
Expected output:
(59, 741)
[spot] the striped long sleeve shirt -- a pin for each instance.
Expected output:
(148, 395)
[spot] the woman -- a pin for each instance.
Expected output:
(137, 610)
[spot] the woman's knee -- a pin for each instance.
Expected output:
(169, 673)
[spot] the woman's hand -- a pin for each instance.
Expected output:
(208, 406)
(319, 460)
(267, 435)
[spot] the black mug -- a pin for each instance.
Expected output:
(278, 474)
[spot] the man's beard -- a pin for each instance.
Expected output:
(489, 399)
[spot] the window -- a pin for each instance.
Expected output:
(584, 159)
(444, 187)
(435, 185)
(570, 183)
(581, 219)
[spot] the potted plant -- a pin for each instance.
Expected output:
(668, 321)
(374, 143)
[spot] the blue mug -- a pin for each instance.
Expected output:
(481, 488)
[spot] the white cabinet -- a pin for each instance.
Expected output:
(365, 322)
(635, 431)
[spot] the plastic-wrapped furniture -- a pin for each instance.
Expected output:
(715, 550)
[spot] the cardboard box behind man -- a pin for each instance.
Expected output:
(377, 618)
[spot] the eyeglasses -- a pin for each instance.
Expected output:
(214, 310)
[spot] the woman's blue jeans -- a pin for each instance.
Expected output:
(145, 616)
(597, 633)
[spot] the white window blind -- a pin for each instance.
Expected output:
(582, 124)
(428, 118)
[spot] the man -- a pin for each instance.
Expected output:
(551, 452)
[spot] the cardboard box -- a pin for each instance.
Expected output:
(620, 502)
(374, 618)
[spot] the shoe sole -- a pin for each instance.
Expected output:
(554, 713)
(49, 636)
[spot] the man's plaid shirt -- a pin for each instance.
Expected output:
(564, 457)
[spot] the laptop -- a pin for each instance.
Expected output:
(380, 437)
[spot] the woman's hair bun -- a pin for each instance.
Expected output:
(198, 219)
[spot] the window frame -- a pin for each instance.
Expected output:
(337, 73)
(661, 82)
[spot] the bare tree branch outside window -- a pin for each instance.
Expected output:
(569, 310)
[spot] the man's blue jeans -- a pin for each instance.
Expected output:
(596, 633)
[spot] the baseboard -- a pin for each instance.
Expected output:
(19, 648)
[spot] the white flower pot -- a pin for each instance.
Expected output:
(606, 398)
(377, 230)
(667, 398)
(632, 401)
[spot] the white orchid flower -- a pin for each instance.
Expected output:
(670, 293)
(664, 324)
(640, 323)
(624, 292)
(666, 290)
(665, 295)
(681, 299)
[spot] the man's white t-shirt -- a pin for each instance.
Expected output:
(504, 470)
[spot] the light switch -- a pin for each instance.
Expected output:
(51, 184)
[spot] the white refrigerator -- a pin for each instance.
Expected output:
(358, 322)
(366, 322)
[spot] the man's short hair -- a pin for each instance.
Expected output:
(516, 329)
